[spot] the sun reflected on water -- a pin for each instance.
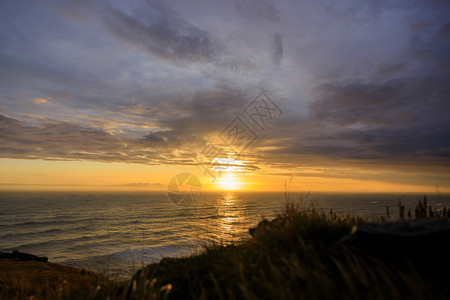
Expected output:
(225, 217)
(230, 215)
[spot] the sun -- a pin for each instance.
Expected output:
(229, 182)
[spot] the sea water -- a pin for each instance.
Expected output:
(118, 233)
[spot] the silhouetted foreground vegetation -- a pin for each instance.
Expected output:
(42, 280)
(301, 254)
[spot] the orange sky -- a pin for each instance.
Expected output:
(43, 175)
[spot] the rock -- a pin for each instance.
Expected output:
(425, 241)
(16, 255)
(259, 228)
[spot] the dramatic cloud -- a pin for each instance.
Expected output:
(158, 29)
(179, 129)
(360, 84)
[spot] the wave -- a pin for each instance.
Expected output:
(30, 234)
(58, 243)
(43, 223)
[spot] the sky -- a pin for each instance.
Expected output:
(348, 96)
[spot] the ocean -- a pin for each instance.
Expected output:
(117, 233)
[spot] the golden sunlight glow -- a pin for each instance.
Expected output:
(17, 174)
(229, 182)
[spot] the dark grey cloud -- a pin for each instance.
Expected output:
(277, 52)
(181, 128)
(164, 33)
(395, 123)
(386, 71)
(371, 104)
(258, 9)
(444, 32)
(158, 29)
(190, 124)
(66, 141)
(399, 118)
(61, 140)
(394, 120)
(396, 111)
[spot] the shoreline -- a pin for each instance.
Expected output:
(298, 253)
